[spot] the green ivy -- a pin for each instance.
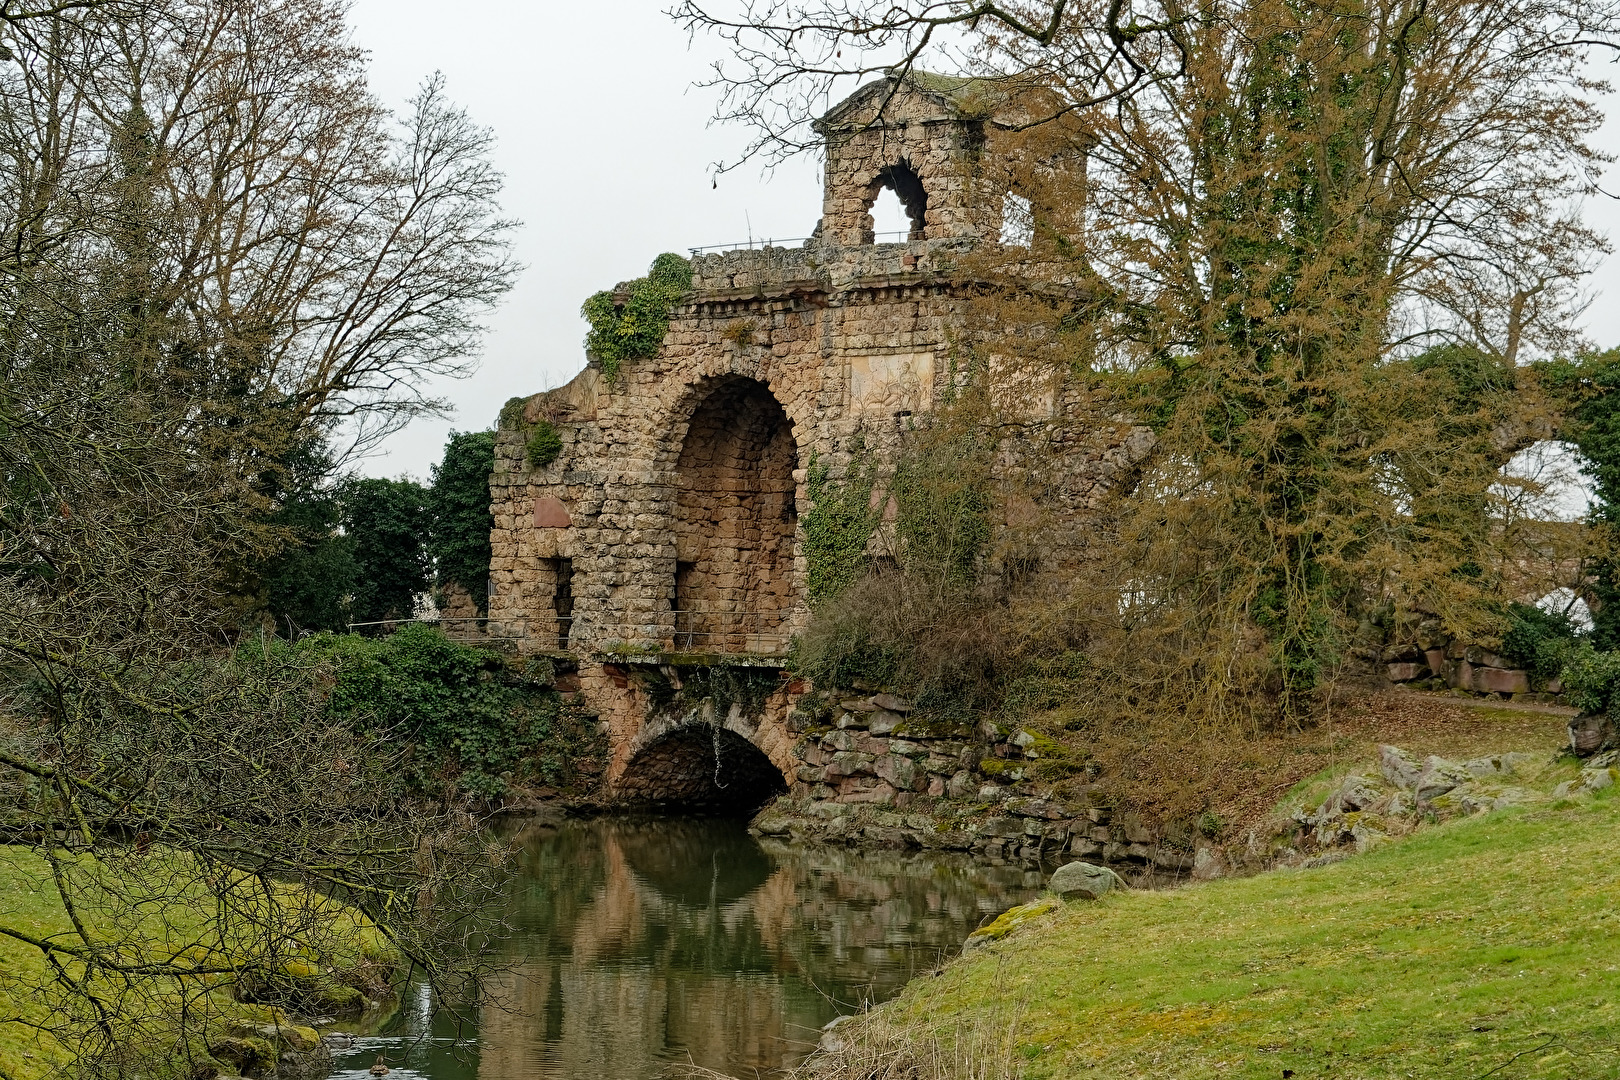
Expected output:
(511, 418)
(545, 444)
(837, 527)
(469, 720)
(635, 329)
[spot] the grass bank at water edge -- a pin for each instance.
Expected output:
(1484, 947)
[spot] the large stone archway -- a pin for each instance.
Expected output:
(734, 521)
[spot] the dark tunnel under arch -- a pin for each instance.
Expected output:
(701, 767)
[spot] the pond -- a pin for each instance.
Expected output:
(643, 944)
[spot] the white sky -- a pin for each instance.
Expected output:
(606, 149)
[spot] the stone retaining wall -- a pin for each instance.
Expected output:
(872, 772)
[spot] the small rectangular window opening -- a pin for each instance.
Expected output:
(562, 599)
(1017, 221)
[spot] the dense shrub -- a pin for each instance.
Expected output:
(1590, 389)
(470, 720)
(545, 444)
(1591, 678)
(1539, 641)
(306, 584)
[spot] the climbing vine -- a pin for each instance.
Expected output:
(837, 527)
(635, 329)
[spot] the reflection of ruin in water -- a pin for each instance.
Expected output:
(642, 943)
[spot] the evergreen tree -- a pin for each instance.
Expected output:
(386, 522)
(459, 499)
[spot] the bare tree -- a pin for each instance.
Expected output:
(325, 261)
(211, 240)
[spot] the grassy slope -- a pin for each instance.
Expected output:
(27, 903)
(1491, 943)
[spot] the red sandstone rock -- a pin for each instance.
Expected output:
(1501, 681)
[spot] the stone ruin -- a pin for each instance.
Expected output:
(663, 544)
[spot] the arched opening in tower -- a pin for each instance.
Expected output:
(701, 767)
(907, 186)
(734, 523)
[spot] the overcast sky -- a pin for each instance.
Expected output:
(606, 149)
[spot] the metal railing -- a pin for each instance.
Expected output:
(899, 236)
(751, 245)
(697, 629)
(453, 626)
(762, 633)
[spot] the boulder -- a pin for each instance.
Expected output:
(849, 763)
(1406, 672)
(1354, 793)
(897, 770)
(1138, 833)
(249, 1056)
(837, 740)
(1170, 859)
(1008, 921)
(1501, 681)
(1045, 809)
(1438, 777)
(1004, 826)
(960, 785)
(1207, 864)
(879, 793)
(1083, 881)
(1398, 767)
(1587, 734)
(884, 721)
(892, 703)
(769, 824)
(859, 706)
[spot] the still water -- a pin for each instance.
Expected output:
(642, 945)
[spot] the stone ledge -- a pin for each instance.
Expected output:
(691, 659)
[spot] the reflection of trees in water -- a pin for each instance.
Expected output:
(861, 923)
(646, 942)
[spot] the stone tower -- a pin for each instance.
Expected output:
(664, 540)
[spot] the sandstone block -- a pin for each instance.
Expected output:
(1501, 681)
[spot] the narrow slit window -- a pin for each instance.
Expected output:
(562, 601)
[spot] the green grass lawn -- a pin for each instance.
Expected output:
(1485, 947)
(175, 922)
(27, 903)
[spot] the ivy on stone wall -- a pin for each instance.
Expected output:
(635, 329)
(837, 527)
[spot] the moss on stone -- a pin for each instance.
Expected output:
(1012, 919)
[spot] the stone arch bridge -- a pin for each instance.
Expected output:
(663, 545)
